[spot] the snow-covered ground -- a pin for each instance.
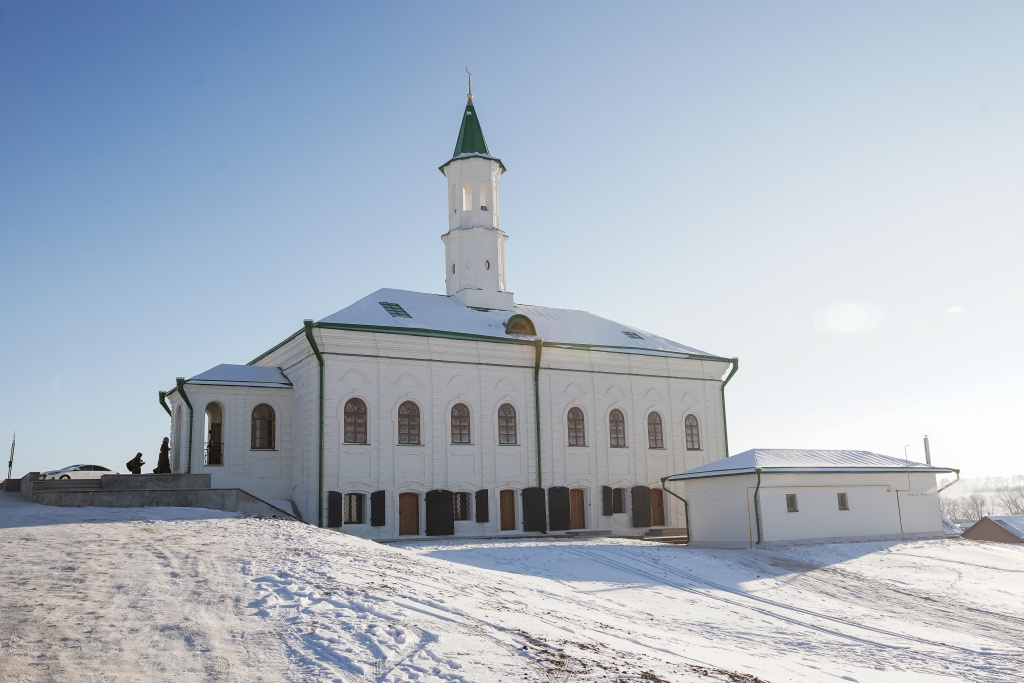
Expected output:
(96, 594)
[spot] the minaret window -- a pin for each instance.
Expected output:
(484, 203)
(467, 195)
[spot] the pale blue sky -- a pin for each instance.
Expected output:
(181, 184)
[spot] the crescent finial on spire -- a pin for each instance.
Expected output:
(470, 76)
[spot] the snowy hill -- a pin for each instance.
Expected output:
(94, 594)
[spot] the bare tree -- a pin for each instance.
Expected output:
(976, 506)
(952, 508)
(1011, 499)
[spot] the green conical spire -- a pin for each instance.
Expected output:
(471, 135)
(471, 140)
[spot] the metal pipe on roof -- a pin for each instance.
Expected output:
(927, 451)
(181, 390)
(308, 327)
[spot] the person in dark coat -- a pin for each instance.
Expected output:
(163, 465)
(135, 464)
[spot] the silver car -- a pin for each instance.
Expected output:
(78, 472)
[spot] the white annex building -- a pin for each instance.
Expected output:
(767, 497)
(464, 413)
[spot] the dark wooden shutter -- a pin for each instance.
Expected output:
(558, 508)
(482, 511)
(377, 506)
(641, 496)
(335, 508)
(440, 513)
(606, 501)
(534, 510)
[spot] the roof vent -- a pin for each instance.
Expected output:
(631, 335)
(395, 310)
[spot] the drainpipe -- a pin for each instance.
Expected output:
(950, 483)
(725, 425)
(757, 506)
(181, 390)
(308, 325)
(686, 506)
(163, 402)
(538, 345)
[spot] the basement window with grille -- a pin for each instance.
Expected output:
(395, 310)
(354, 508)
(618, 500)
(460, 506)
(791, 503)
(631, 335)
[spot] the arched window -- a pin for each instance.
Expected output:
(263, 428)
(408, 423)
(507, 424)
(655, 437)
(214, 434)
(520, 324)
(460, 423)
(692, 433)
(616, 429)
(577, 433)
(355, 421)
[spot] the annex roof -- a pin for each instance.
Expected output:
(770, 460)
(438, 315)
(1012, 523)
(242, 375)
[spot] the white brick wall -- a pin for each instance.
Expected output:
(722, 512)
(386, 369)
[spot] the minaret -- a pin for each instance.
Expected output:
(474, 246)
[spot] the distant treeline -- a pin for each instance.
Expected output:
(975, 497)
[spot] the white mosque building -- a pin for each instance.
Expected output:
(465, 413)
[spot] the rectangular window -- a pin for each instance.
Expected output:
(460, 504)
(618, 500)
(843, 504)
(791, 503)
(354, 508)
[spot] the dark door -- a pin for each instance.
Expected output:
(577, 517)
(657, 508)
(408, 514)
(508, 510)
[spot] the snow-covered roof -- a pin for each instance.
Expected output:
(447, 314)
(799, 460)
(242, 375)
(1012, 523)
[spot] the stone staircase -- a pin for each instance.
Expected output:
(676, 536)
(145, 490)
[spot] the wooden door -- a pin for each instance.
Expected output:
(408, 514)
(657, 508)
(508, 510)
(577, 517)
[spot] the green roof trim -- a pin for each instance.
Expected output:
(471, 142)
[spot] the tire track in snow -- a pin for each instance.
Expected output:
(1010, 663)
